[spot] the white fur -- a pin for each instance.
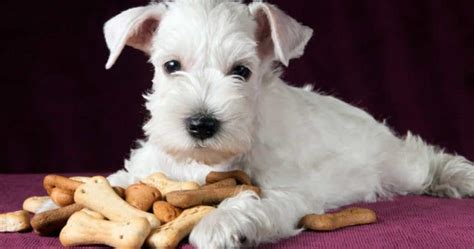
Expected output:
(309, 152)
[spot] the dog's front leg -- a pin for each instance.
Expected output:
(248, 220)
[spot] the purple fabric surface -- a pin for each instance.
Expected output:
(406, 222)
(410, 62)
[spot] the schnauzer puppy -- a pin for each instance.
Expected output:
(218, 103)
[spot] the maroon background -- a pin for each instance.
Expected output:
(410, 62)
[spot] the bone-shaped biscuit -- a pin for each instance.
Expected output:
(61, 189)
(33, 203)
(51, 182)
(166, 185)
(98, 195)
(83, 229)
(230, 182)
(51, 222)
(191, 198)
(238, 175)
(170, 234)
(15, 221)
(344, 218)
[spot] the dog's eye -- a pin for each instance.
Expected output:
(241, 71)
(172, 66)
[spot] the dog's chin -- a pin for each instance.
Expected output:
(203, 155)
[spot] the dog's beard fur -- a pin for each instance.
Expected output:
(178, 97)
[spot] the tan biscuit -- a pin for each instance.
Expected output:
(98, 195)
(55, 181)
(170, 234)
(231, 182)
(166, 185)
(165, 212)
(238, 175)
(191, 198)
(32, 204)
(51, 222)
(15, 221)
(142, 196)
(83, 229)
(344, 218)
(62, 197)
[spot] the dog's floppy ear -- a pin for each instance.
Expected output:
(134, 27)
(279, 36)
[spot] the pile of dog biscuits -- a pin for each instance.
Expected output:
(156, 212)
(92, 212)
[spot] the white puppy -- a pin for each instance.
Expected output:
(218, 103)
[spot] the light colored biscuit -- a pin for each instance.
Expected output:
(170, 234)
(15, 221)
(33, 203)
(98, 195)
(83, 229)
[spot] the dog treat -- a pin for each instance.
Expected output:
(170, 234)
(98, 195)
(165, 212)
(166, 185)
(54, 181)
(15, 221)
(231, 182)
(344, 218)
(32, 204)
(93, 213)
(65, 198)
(51, 222)
(83, 229)
(142, 196)
(191, 198)
(62, 197)
(238, 175)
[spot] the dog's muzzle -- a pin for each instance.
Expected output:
(202, 126)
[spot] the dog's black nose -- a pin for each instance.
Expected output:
(202, 126)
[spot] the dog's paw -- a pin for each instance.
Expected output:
(223, 229)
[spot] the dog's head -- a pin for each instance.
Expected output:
(211, 58)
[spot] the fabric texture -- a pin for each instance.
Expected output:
(405, 222)
(409, 62)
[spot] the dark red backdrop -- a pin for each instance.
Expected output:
(410, 62)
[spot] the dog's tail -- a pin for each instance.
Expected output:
(446, 175)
